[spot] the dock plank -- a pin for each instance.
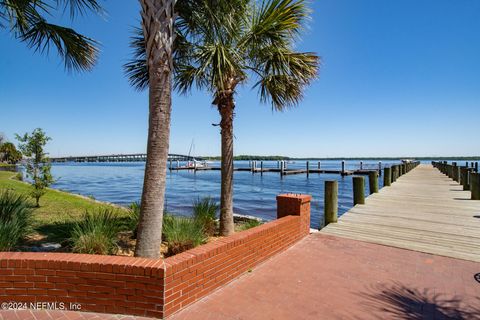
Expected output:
(423, 211)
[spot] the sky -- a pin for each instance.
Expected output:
(398, 78)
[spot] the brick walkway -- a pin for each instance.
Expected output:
(325, 277)
(61, 315)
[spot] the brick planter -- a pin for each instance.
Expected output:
(146, 287)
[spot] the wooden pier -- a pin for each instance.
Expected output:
(424, 210)
(282, 169)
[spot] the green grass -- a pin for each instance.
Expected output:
(58, 210)
(7, 165)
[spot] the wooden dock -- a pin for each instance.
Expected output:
(423, 211)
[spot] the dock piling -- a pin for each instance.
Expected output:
(464, 173)
(358, 190)
(475, 185)
(387, 177)
(343, 167)
(331, 202)
(373, 181)
(308, 168)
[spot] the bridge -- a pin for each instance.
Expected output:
(135, 157)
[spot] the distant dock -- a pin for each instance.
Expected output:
(282, 168)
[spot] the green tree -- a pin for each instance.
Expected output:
(26, 21)
(223, 45)
(9, 153)
(38, 166)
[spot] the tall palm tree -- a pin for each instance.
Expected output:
(25, 19)
(219, 51)
(158, 18)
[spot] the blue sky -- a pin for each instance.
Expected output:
(398, 78)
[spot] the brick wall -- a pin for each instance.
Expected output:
(147, 287)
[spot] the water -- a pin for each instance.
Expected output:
(121, 183)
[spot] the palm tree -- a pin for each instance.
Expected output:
(25, 19)
(221, 50)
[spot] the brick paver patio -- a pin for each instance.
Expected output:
(326, 277)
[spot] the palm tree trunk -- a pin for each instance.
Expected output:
(226, 107)
(157, 18)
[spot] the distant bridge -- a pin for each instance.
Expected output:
(136, 157)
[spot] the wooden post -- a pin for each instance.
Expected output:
(318, 165)
(475, 185)
(454, 171)
(394, 173)
(331, 202)
(361, 165)
(170, 164)
(343, 167)
(373, 181)
(476, 167)
(380, 168)
(282, 168)
(261, 168)
(178, 164)
(458, 175)
(308, 168)
(358, 190)
(387, 177)
(464, 172)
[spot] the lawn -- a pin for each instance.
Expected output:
(58, 210)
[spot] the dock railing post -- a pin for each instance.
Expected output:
(373, 181)
(387, 177)
(358, 190)
(464, 173)
(331, 202)
(475, 185)
(454, 171)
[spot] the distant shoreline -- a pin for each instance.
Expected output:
(277, 158)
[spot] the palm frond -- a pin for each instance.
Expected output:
(81, 7)
(284, 74)
(276, 22)
(136, 69)
(77, 51)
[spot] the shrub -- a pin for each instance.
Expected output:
(133, 218)
(205, 212)
(19, 176)
(15, 215)
(252, 223)
(96, 233)
(182, 233)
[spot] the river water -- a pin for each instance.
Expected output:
(121, 183)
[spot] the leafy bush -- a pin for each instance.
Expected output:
(205, 212)
(182, 233)
(15, 215)
(252, 223)
(96, 233)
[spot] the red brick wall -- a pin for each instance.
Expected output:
(146, 287)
